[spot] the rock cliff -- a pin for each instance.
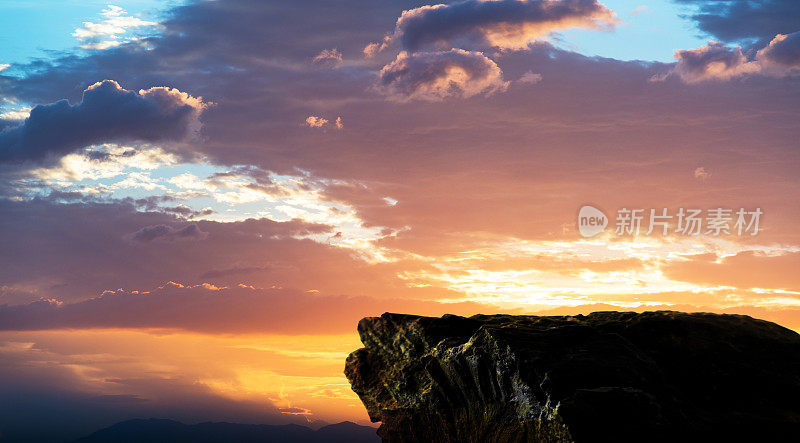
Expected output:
(607, 376)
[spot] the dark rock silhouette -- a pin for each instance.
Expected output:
(607, 376)
(169, 431)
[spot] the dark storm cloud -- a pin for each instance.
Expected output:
(738, 20)
(167, 233)
(435, 76)
(106, 113)
(507, 24)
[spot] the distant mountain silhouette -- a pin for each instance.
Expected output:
(155, 430)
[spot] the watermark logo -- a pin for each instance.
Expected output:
(591, 221)
(686, 221)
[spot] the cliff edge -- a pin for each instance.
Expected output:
(607, 376)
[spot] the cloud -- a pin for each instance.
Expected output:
(168, 233)
(210, 309)
(328, 57)
(745, 20)
(15, 114)
(717, 61)
(587, 102)
(782, 55)
(105, 162)
(184, 211)
(106, 34)
(530, 77)
(313, 121)
(701, 173)
(316, 122)
(746, 269)
(106, 113)
(503, 24)
(235, 270)
(76, 250)
(435, 76)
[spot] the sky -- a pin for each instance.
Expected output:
(199, 200)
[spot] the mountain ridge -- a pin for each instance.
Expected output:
(159, 430)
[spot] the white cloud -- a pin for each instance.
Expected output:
(189, 181)
(12, 109)
(16, 114)
(104, 161)
(139, 180)
(638, 286)
(108, 33)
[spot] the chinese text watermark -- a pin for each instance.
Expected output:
(684, 221)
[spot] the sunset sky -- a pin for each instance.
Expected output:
(199, 200)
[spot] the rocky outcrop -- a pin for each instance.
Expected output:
(607, 376)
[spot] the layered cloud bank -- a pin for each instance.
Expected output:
(206, 308)
(106, 113)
